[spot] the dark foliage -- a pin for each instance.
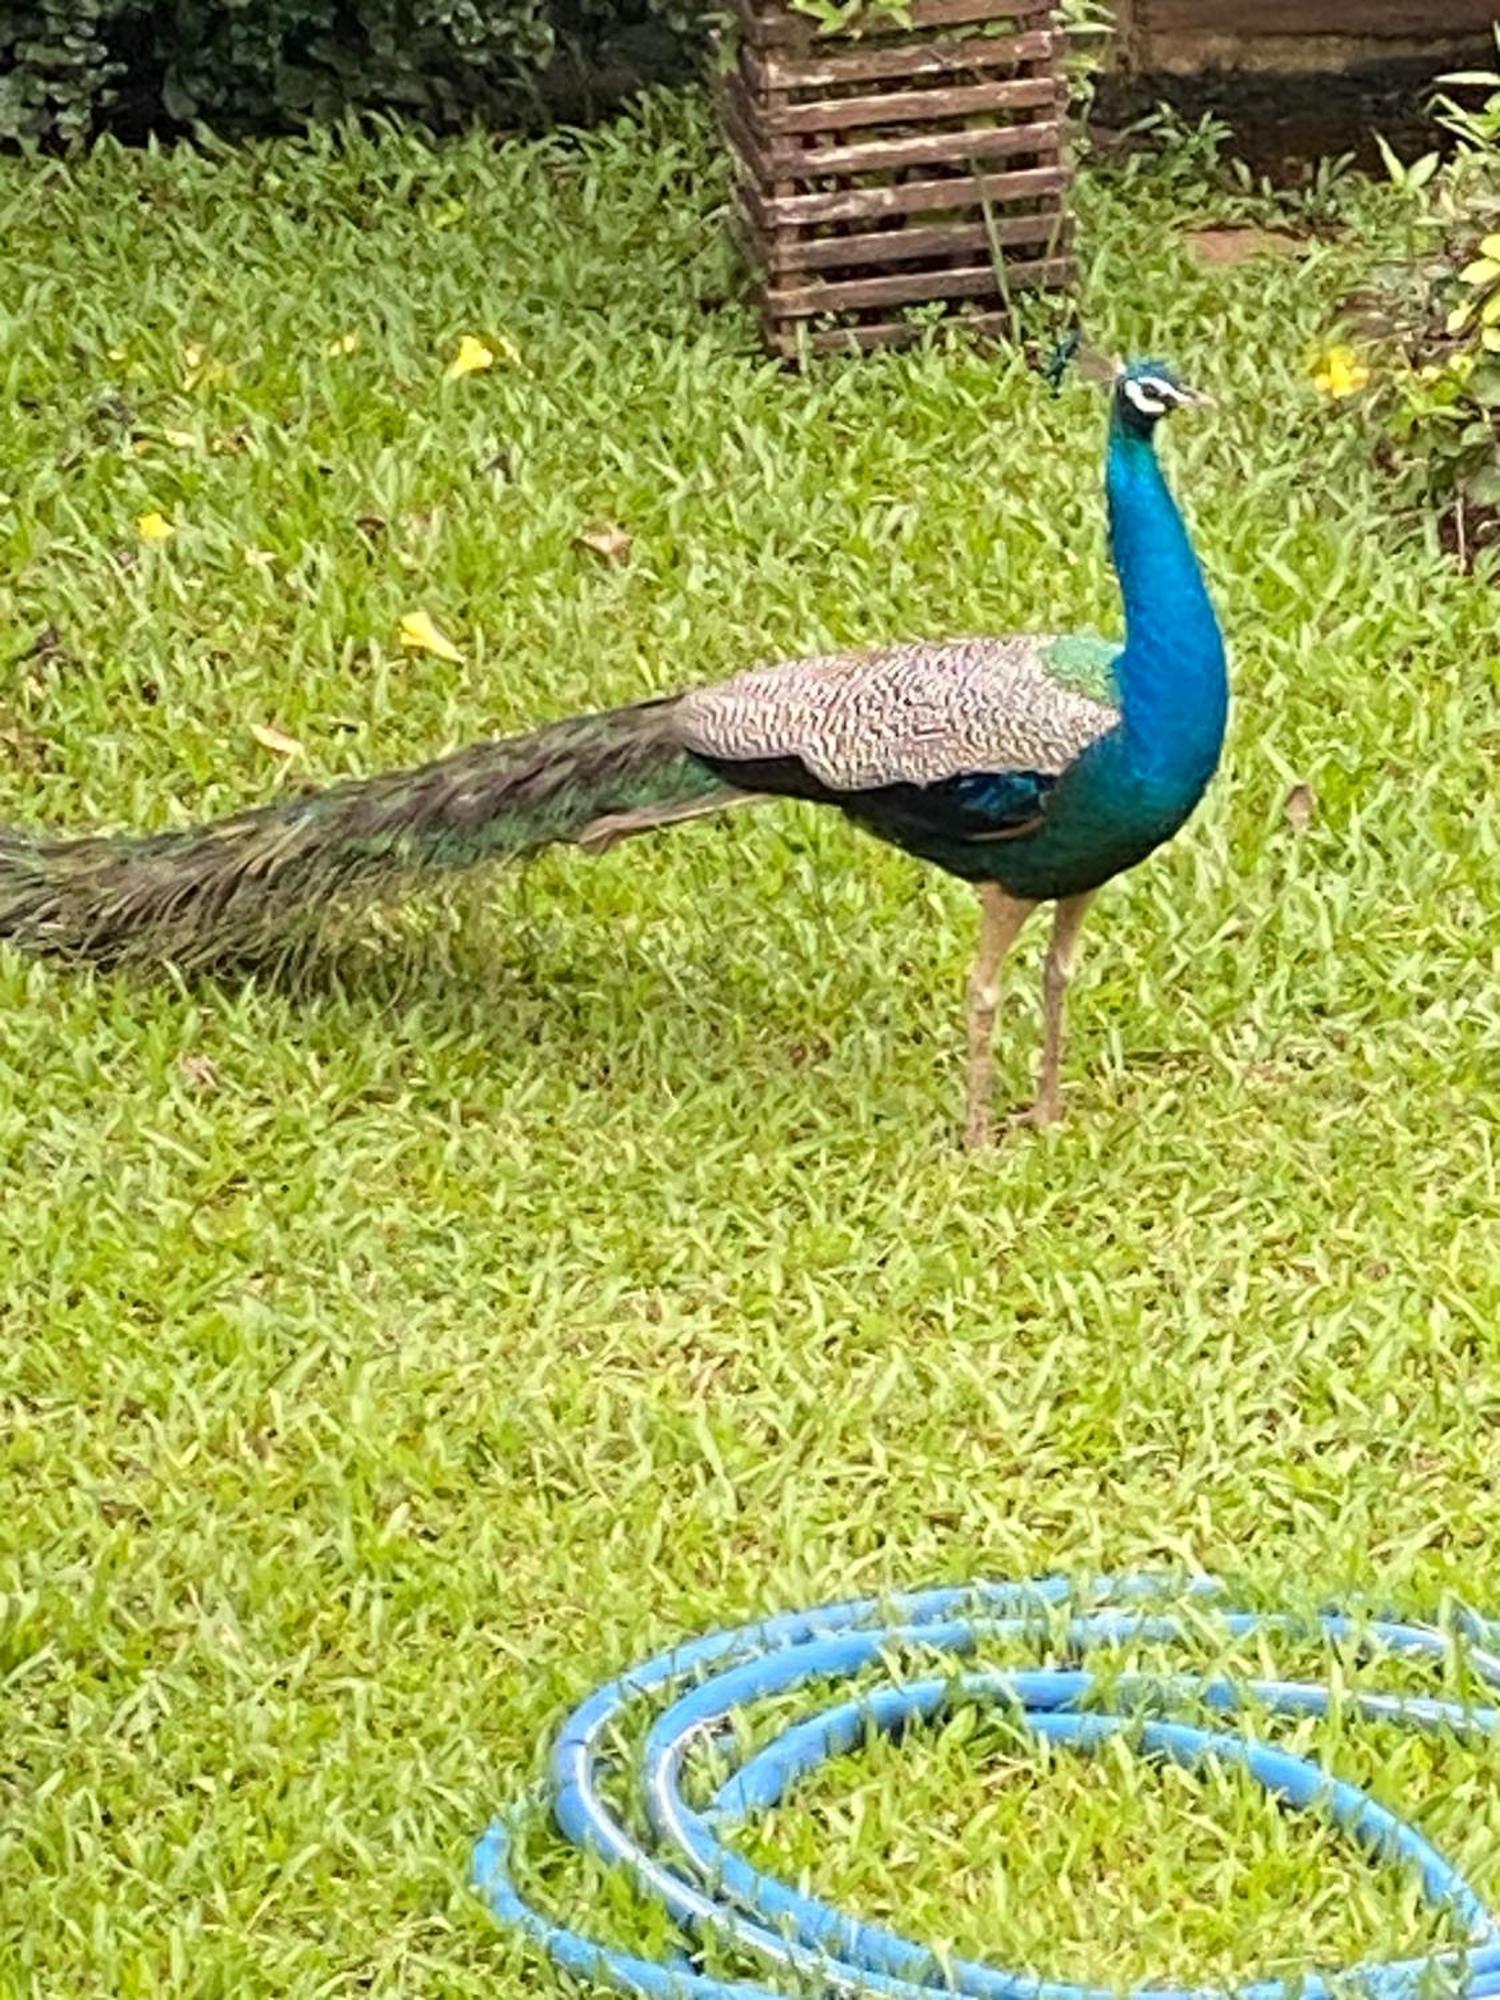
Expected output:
(70, 67)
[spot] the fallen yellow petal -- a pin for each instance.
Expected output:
(1342, 373)
(273, 739)
(344, 343)
(472, 356)
(183, 440)
(154, 527)
(421, 635)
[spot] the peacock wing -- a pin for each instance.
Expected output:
(989, 722)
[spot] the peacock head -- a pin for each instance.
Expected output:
(1145, 391)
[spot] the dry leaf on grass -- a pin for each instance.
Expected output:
(274, 739)
(1300, 804)
(197, 1071)
(610, 544)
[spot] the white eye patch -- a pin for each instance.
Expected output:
(1150, 395)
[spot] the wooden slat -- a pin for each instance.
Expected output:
(960, 13)
(910, 197)
(771, 24)
(868, 338)
(913, 107)
(776, 70)
(906, 288)
(1374, 18)
(784, 256)
(745, 147)
(934, 149)
(865, 337)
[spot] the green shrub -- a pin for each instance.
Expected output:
(1438, 318)
(68, 66)
(57, 69)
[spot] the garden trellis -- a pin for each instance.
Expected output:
(916, 163)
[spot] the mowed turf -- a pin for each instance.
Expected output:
(584, 1259)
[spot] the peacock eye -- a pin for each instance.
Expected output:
(1150, 397)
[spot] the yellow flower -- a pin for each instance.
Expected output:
(344, 343)
(1342, 373)
(472, 356)
(420, 635)
(154, 527)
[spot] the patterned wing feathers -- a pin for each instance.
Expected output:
(911, 714)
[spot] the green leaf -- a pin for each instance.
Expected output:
(178, 101)
(1420, 172)
(1483, 486)
(1483, 386)
(1390, 161)
(1481, 273)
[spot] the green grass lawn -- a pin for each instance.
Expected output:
(587, 1259)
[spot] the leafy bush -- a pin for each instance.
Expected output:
(1439, 314)
(68, 65)
(57, 68)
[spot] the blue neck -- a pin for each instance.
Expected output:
(1173, 688)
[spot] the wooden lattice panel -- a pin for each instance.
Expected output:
(905, 167)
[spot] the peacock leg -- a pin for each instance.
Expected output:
(1000, 921)
(1062, 956)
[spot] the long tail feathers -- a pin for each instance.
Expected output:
(237, 886)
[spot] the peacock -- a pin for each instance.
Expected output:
(1034, 767)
